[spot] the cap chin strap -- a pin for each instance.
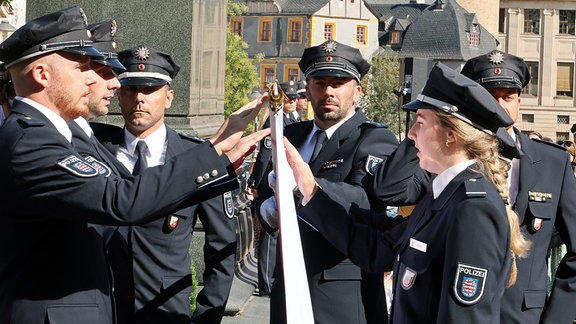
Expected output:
(153, 75)
(452, 110)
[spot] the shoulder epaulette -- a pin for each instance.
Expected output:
(474, 188)
(192, 138)
(369, 123)
(558, 146)
(26, 121)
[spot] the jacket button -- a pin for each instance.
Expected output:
(199, 179)
(214, 173)
(206, 176)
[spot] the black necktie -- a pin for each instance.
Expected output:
(141, 163)
(320, 140)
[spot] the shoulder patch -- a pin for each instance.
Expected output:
(29, 122)
(372, 164)
(192, 138)
(78, 167)
(101, 167)
(228, 204)
(469, 283)
(369, 123)
(268, 142)
(474, 188)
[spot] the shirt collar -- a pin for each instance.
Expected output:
(83, 123)
(154, 141)
(53, 117)
(443, 179)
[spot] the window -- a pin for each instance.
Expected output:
(361, 35)
(329, 31)
(295, 30)
(564, 80)
(528, 118)
(531, 88)
(563, 119)
(265, 32)
(566, 25)
(293, 73)
(502, 21)
(236, 26)
(532, 21)
(474, 35)
(267, 75)
(395, 37)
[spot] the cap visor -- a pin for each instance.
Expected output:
(88, 50)
(332, 72)
(417, 104)
(114, 63)
(147, 82)
(500, 85)
(508, 148)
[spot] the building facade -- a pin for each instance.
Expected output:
(277, 32)
(542, 32)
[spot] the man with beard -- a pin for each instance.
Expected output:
(343, 148)
(52, 263)
(159, 258)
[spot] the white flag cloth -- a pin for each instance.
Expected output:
(298, 304)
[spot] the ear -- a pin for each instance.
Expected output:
(169, 98)
(450, 138)
(41, 74)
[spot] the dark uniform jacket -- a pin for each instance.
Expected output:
(160, 257)
(546, 199)
(114, 236)
(453, 260)
(339, 290)
(52, 264)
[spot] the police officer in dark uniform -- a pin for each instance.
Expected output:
(452, 259)
(267, 241)
(542, 193)
(52, 263)
(352, 146)
(160, 261)
(83, 139)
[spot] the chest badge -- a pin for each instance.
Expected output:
(408, 278)
(172, 221)
(539, 196)
(536, 224)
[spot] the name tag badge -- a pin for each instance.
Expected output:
(420, 246)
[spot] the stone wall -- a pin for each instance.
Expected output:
(192, 31)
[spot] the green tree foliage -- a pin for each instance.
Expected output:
(241, 75)
(380, 103)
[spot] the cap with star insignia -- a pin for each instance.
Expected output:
(64, 30)
(290, 89)
(457, 95)
(498, 70)
(146, 66)
(333, 59)
(103, 34)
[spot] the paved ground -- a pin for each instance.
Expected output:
(255, 311)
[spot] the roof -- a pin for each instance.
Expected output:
(432, 33)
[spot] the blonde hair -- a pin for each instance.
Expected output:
(484, 148)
